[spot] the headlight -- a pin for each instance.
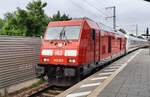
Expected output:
(47, 52)
(70, 52)
(45, 59)
(71, 60)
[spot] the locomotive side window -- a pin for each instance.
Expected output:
(103, 49)
(120, 43)
(93, 34)
(109, 44)
(62, 33)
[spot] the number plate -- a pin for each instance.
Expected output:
(58, 60)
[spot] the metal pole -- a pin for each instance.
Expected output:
(114, 19)
(114, 16)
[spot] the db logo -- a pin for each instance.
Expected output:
(58, 52)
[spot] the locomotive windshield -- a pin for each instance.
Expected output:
(62, 33)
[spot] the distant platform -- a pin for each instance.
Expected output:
(126, 77)
(133, 80)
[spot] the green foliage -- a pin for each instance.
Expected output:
(38, 83)
(37, 19)
(30, 22)
(1, 25)
(15, 23)
(59, 17)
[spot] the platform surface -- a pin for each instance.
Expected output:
(126, 77)
(133, 80)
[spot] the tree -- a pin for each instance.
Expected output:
(29, 22)
(15, 23)
(37, 19)
(59, 17)
(1, 25)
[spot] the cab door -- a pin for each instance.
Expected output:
(94, 44)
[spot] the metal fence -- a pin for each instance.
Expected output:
(18, 56)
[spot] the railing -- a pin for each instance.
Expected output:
(18, 57)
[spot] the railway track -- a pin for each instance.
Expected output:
(44, 90)
(50, 91)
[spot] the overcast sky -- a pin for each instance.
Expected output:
(129, 12)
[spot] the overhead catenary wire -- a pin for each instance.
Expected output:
(78, 6)
(93, 6)
(103, 3)
(100, 23)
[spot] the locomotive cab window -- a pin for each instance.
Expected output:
(63, 33)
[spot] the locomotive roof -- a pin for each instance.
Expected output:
(74, 22)
(98, 26)
(65, 23)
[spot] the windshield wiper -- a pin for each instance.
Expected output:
(62, 32)
(63, 35)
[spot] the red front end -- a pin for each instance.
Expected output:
(60, 45)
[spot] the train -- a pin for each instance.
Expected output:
(74, 48)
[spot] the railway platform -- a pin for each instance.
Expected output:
(126, 77)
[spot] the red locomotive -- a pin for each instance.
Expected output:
(72, 49)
